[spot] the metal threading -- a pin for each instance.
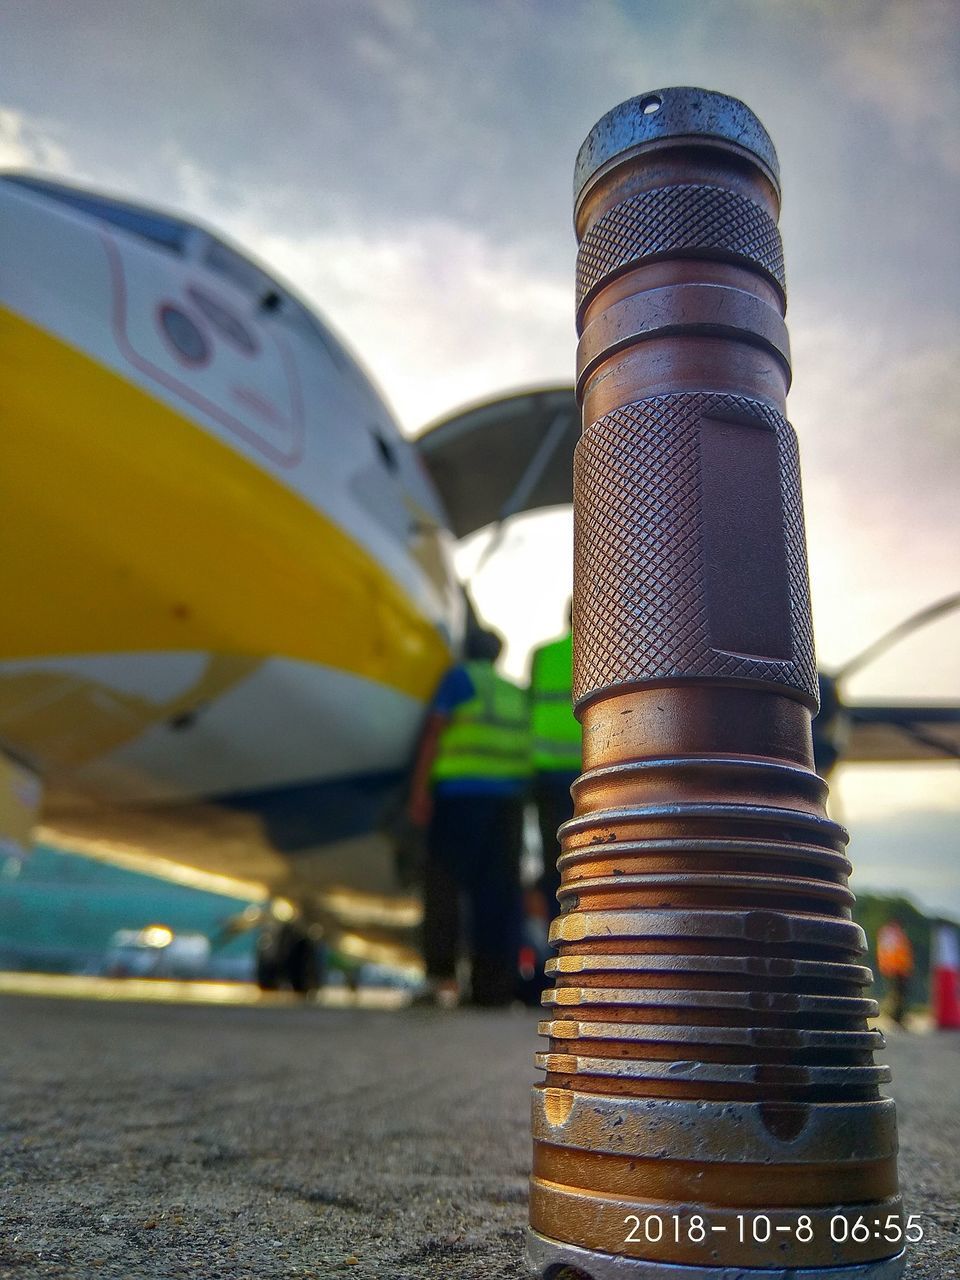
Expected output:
(708, 1056)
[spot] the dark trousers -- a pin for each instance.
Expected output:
(899, 987)
(554, 806)
(472, 891)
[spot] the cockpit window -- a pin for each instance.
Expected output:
(271, 298)
(240, 271)
(267, 296)
(156, 227)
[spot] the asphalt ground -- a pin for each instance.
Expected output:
(184, 1140)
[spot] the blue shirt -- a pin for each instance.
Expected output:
(455, 688)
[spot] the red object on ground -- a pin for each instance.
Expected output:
(945, 977)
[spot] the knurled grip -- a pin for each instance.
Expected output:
(690, 553)
(687, 219)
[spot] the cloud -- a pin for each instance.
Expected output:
(876, 415)
(28, 144)
(442, 315)
(902, 63)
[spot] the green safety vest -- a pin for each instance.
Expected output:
(488, 735)
(556, 733)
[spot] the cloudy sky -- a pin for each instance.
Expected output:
(407, 164)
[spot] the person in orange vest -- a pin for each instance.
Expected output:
(895, 962)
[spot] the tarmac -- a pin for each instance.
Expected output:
(170, 1140)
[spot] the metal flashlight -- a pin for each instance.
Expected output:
(711, 1106)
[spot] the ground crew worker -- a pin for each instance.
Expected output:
(469, 786)
(895, 962)
(555, 751)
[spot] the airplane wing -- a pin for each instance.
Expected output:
(902, 732)
(495, 459)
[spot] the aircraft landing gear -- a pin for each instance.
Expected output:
(288, 958)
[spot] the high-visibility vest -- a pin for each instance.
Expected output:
(556, 733)
(488, 735)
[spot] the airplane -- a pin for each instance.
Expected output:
(228, 578)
